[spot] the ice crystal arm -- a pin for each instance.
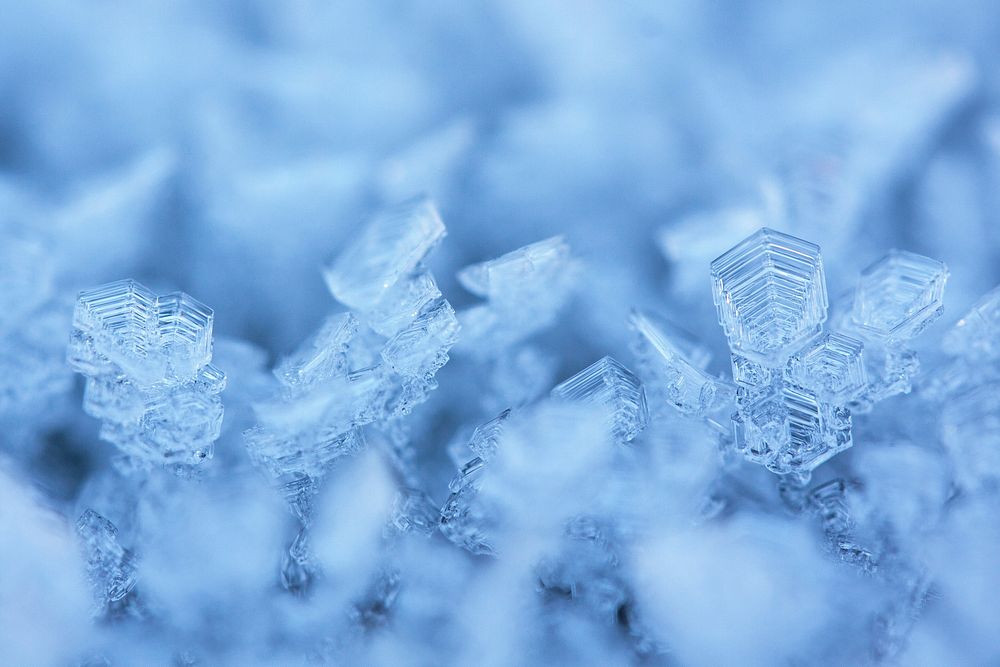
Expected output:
(770, 292)
(790, 430)
(671, 364)
(322, 356)
(898, 296)
(110, 567)
(611, 386)
(833, 366)
(977, 334)
(508, 278)
(146, 359)
(402, 303)
(525, 289)
(483, 442)
(308, 453)
(391, 245)
(421, 348)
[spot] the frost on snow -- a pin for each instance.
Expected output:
(503, 333)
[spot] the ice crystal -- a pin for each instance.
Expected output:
(525, 290)
(770, 292)
(898, 296)
(149, 376)
(391, 245)
(419, 463)
(608, 385)
(796, 383)
(110, 567)
(672, 364)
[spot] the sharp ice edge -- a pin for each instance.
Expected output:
(608, 385)
(797, 384)
(146, 360)
(524, 289)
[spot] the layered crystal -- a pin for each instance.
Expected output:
(898, 296)
(608, 385)
(770, 293)
(148, 373)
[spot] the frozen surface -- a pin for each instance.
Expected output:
(499, 333)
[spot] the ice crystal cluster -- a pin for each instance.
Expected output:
(499, 333)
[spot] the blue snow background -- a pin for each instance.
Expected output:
(229, 148)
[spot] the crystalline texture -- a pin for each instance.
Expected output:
(608, 384)
(322, 356)
(671, 363)
(421, 348)
(770, 293)
(790, 431)
(391, 245)
(525, 289)
(149, 379)
(898, 296)
(832, 366)
(978, 333)
(505, 278)
(110, 567)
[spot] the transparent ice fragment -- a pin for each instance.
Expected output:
(977, 334)
(770, 292)
(149, 379)
(111, 568)
(483, 442)
(185, 332)
(832, 365)
(117, 322)
(402, 303)
(671, 364)
(421, 348)
(466, 519)
(507, 279)
(526, 289)
(898, 296)
(751, 375)
(310, 452)
(830, 504)
(609, 385)
(389, 246)
(791, 431)
(414, 511)
(322, 356)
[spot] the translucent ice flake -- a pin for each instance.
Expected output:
(116, 323)
(110, 567)
(483, 442)
(770, 293)
(671, 364)
(422, 347)
(977, 334)
(306, 453)
(146, 359)
(402, 303)
(898, 296)
(506, 278)
(832, 366)
(791, 431)
(322, 356)
(391, 245)
(525, 288)
(609, 385)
